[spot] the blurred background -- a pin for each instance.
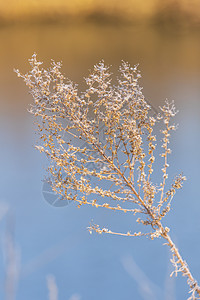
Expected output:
(44, 247)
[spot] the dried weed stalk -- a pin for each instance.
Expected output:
(125, 159)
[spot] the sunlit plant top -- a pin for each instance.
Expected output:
(114, 172)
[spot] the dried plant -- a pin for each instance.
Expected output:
(115, 173)
(52, 287)
(12, 260)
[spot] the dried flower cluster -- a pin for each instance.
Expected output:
(114, 172)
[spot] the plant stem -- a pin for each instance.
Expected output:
(180, 264)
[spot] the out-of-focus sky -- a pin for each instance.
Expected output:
(164, 38)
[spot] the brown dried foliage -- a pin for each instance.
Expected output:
(126, 156)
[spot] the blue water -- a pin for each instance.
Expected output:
(52, 240)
